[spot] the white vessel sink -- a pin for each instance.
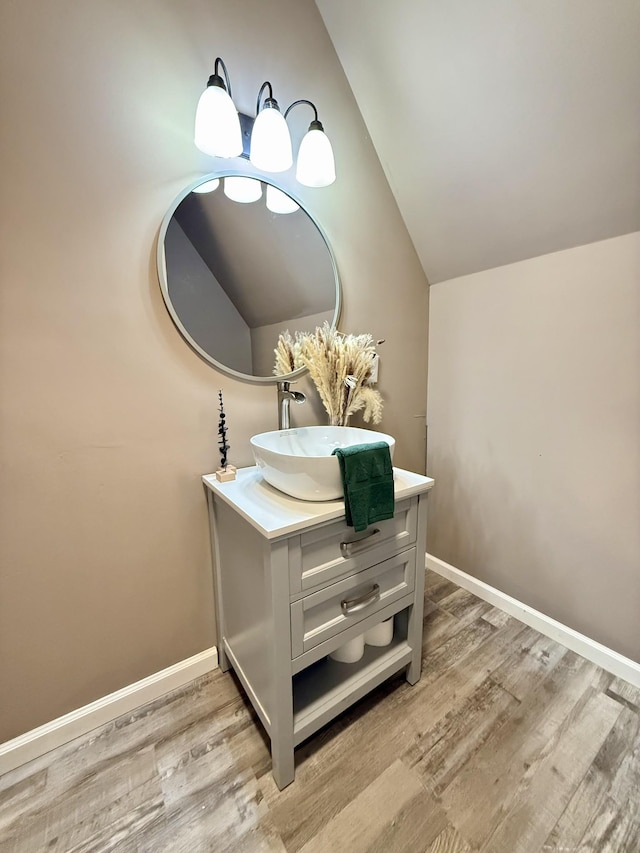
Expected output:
(299, 461)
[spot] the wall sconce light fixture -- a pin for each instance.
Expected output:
(316, 166)
(218, 132)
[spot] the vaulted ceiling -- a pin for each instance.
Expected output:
(507, 128)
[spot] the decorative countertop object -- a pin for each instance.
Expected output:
(225, 472)
(342, 369)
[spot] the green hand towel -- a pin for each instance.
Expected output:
(367, 480)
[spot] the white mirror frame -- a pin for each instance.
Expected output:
(164, 284)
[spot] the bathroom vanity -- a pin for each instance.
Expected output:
(293, 583)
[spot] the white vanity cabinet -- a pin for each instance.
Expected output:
(293, 583)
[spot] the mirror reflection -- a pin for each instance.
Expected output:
(236, 274)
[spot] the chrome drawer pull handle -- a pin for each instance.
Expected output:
(349, 548)
(352, 605)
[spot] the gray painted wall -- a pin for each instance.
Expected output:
(507, 129)
(203, 307)
(108, 418)
(534, 434)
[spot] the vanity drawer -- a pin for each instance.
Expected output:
(323, 614)
(322, 555)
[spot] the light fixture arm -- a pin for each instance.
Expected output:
(217, 127)
(315, 124)
(216, 79)
(268, 102)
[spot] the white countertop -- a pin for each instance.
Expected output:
(274, 514)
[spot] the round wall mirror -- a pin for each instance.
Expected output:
(235, 273)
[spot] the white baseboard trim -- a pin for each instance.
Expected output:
(601, 655)
(33, 744)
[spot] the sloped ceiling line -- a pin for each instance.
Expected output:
(507, 130)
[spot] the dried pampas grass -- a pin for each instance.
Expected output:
(340, 366)
(287, 355)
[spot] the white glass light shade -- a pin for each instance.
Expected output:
(217, 124)
(271, 142)
(316, 165)
(208, 186)
(279, 202)
(243, 190)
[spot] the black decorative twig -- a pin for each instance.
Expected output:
(222, 432)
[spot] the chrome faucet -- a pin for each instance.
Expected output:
(285, 396)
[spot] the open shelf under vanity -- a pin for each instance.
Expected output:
(328, 687)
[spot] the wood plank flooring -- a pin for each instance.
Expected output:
(510, 743)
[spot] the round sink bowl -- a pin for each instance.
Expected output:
(299, 461)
